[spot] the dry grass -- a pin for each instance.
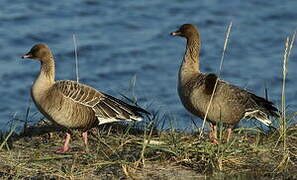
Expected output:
(120, 151)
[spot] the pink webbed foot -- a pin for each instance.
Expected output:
(62, 151)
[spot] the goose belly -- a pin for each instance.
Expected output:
(219, 110)
(66, 113)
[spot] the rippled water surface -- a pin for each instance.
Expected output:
(120, 39)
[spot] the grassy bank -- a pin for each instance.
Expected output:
(120, 151)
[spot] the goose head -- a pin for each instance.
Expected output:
(186, 31)
(39, 52)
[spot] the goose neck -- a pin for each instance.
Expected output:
(191, 58)
(47, 70)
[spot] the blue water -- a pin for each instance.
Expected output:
(120, 39)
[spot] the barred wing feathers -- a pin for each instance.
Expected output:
(106, 108)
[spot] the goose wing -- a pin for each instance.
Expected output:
(253, 105)
(106, 108)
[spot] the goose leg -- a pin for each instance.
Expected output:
(85, 138)
(65, 147)
(215, 137)
(213, 134)
(210, 132)
(229, 133)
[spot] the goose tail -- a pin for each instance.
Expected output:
(263, 111)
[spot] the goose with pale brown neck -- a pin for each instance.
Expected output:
(229, 104)
(74, 105)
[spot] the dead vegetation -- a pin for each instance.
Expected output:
(124, 151)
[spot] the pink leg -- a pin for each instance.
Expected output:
(229, 132)
(66, 145)
(85, 138)
(213, 134)
(211, 131)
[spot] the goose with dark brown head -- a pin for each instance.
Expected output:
(230, 103)
(74, 105)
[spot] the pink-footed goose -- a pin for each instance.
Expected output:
(74, 105)
(230, 103)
